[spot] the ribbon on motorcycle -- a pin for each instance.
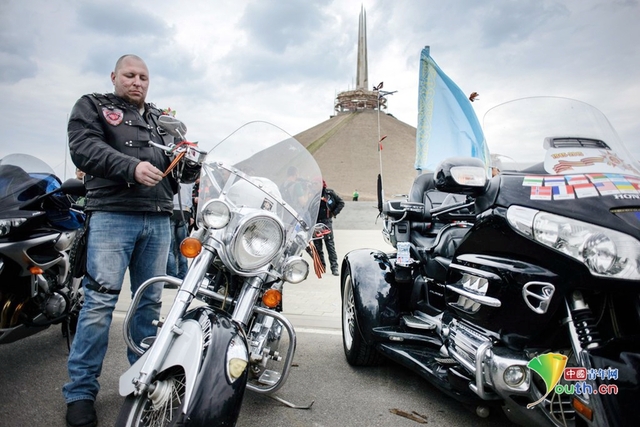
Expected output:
(174, 163)
(179, 156)
(317, 262)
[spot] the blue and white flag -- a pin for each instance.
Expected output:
(447, 124)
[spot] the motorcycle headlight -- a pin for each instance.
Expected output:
(7, 224)
(605, 252)
(257, 241)
(295, 270)
(215, 214)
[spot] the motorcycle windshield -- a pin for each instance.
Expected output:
(557, 136)
(261, 166)
(23, 178)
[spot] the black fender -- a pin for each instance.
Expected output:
(374, 290)
(216, 401)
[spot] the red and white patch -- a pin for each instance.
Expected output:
(113, 117)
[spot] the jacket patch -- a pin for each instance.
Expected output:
(114, 117)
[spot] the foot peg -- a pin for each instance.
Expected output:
(418, 323)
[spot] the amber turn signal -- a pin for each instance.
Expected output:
(36, 270)
(271, 298)
(190, 247)
(582, 409)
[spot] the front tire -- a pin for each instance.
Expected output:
(356, 350)
(160, 408)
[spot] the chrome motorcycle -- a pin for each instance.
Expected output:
(39, 232)
(224, 330)
(521, 291)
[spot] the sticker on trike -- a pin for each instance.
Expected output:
(563, 187)
(586, 160)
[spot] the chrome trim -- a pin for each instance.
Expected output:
(480, 299)
(247, 300)
(475, 271)
(544, 296)
(498, 363)
(290, 351)
(478, 387)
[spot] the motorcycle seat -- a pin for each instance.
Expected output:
(423, 190)
(438, 250)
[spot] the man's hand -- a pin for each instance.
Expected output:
(147, 174)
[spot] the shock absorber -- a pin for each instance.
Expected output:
(584, 322)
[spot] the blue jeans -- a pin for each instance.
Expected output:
(177, 264)
(117, 241)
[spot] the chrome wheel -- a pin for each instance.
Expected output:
(348, 314)
(159, 407)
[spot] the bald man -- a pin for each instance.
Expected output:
(129, 202)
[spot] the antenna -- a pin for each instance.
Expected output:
(381, 95)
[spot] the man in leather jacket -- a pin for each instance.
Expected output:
(129, 201)
(330, 206)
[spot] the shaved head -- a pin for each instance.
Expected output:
(130, 79)
(123, 57)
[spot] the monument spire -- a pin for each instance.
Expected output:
(360, 98)
(362, 78)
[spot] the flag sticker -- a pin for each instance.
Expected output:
(532, 181)
(598, 177)
(576, 179)
(606, 188)
(541, 193)
(567, 187)
(626, 187)
(553, 180)
(585, 190)
(563, 192)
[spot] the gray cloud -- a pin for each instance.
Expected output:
(121, 19)
(511, 22)
(291, 41)
(276, 25)
(16, 49)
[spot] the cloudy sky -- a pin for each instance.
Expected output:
(223, 63)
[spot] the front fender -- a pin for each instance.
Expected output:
(374, 292)
(201, 350)
(185, 351)
(216, 399)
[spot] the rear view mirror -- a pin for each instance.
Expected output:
(461, 175)
(173, 126)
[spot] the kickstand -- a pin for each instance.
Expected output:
(289, 404)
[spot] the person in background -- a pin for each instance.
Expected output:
(356, 195)
(293, 188)
(79, 201)
(129, 201)
(496, 165)
(180, 221)
(80, 174)
(330, 206)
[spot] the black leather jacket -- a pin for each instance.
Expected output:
(330, 205)
(108, 137)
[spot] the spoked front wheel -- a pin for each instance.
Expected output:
(158, 408)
